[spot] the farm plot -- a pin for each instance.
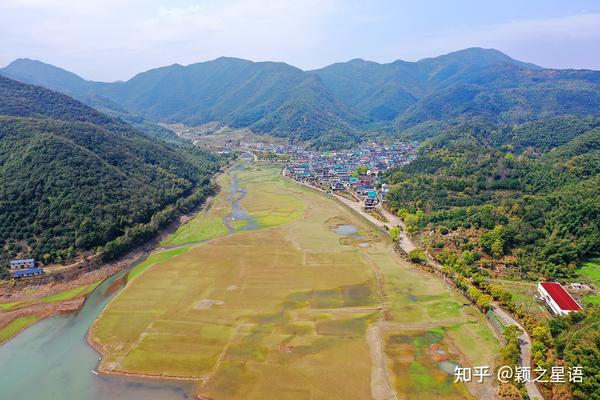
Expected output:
(279, 311)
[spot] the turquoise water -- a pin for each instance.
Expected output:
(52, 360)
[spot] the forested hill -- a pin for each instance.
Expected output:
(537, 196)
(73, 179)
(518, 203)
(419, 99)
(21, 100)
(51, 77)
(268, 97)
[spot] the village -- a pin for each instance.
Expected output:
(356, 173)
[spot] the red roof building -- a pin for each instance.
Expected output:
(557, 298)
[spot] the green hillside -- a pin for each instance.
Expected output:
(541, 206)
(416, 99)
(267, 97)
(73, 179)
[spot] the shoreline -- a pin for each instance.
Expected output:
(88, 337)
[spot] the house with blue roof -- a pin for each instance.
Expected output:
(25, 273)
(25, 268)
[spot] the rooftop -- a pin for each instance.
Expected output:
(564, 300)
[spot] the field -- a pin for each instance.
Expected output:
(591, 273)
(523, 293)
(281, 307)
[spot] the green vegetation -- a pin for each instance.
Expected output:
(60, 296)
(16, 326)
(417, 256)
(510, 355)
(591, 272)
(496, 201)
(536, 215)
(417, 374)
(340, 104)
(74, 179)
(10, 306)
(72, 293)
(395, 233)
(577, 340)
(154, 259)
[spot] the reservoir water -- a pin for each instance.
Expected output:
(346, 230)
(52, 360)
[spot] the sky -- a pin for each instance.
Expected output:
(111, 40)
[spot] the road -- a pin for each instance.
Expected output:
(525, 343)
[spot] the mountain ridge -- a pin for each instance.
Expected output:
(348, 98)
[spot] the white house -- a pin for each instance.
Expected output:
(557, 298)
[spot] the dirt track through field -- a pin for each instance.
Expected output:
(381, 389)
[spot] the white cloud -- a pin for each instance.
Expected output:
(113, 39)
(132, 36)
(547, 41)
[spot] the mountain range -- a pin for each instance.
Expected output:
(343, 98)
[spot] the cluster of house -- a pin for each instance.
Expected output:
(358, 170)
(25, 268)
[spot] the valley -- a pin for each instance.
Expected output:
(235, 229)
(285, 305)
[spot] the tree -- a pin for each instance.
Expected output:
(361, 170)
(474, 293)
(508, 391)
(395, 233)
(412, 223)
(402, 213)
(485, 302)
(417, 256)
(542, 334)
(497, 248)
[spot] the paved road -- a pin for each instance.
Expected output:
(525, 342)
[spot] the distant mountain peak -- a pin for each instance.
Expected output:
(478, 56)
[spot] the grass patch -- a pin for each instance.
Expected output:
(71, 293)
(60, 296)
(591, 271)
(417, 374)
(154, 259)
(16, 326)
(10, 306)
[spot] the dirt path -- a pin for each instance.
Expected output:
(381, 389)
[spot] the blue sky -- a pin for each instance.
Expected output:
(114, 39)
